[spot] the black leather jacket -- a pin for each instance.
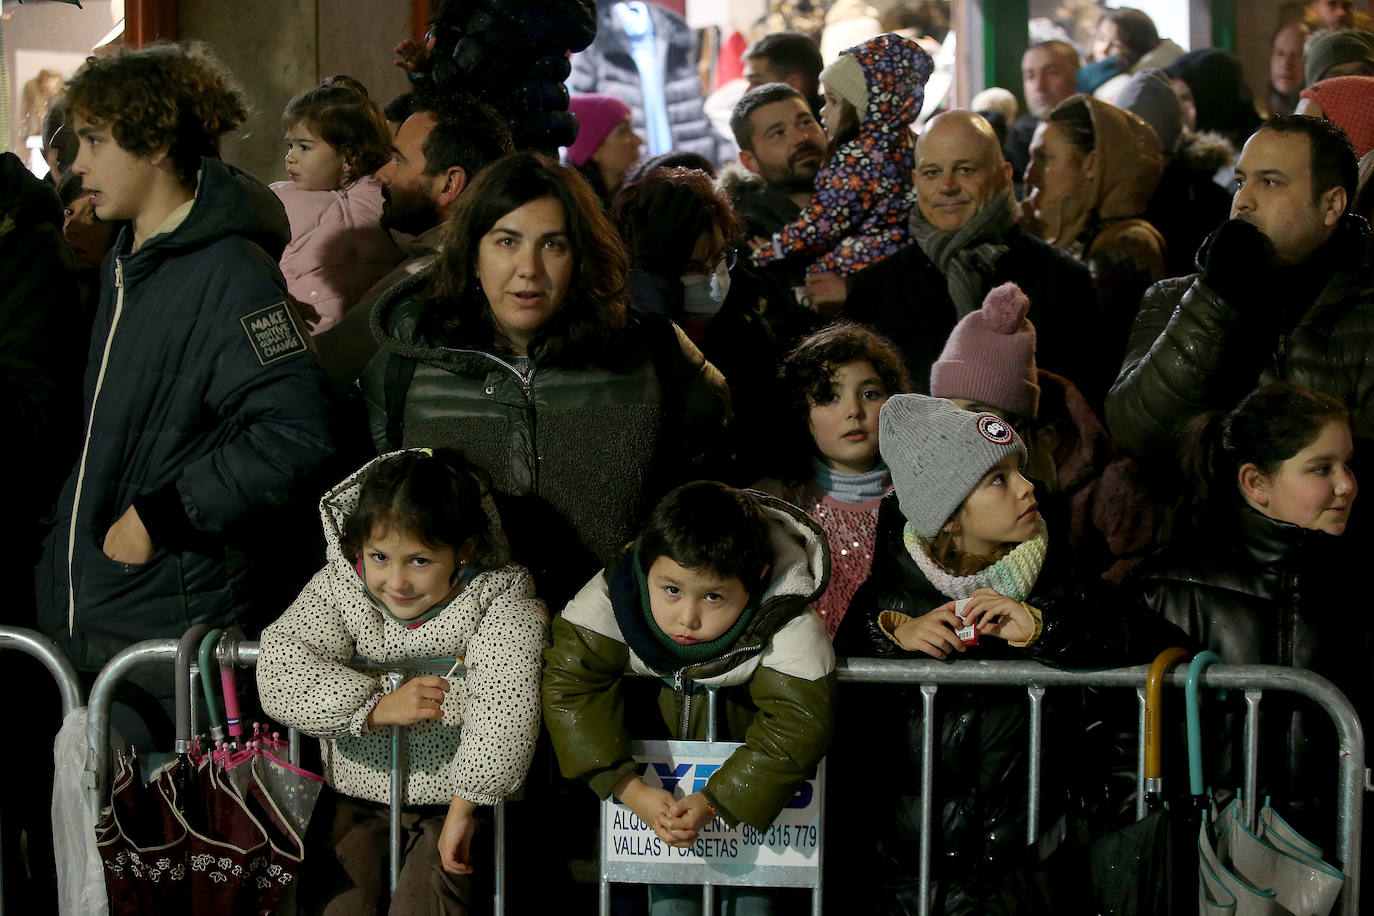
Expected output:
(1263, 592)
(981, 863)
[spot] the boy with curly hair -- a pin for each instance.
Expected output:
(203, 403)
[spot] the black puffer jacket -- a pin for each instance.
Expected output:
(580, 454)
(607, 67)
(1262, 592)
(981, 863)
(205, 410)
(1191, 351)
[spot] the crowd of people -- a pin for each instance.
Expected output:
(1075, 387)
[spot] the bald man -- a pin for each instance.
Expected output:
(965, 241)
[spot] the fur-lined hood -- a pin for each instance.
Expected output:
(1205, 151)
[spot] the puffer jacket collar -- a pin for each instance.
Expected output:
(800, 574)
(396, 321)
(228, 202)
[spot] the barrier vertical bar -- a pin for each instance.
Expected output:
(394, 678)
(603, 892)
(1037, 698)
(1140, 756)
(498, 904)
(1252, 701)
(927, 792)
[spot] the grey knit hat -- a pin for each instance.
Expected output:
(937, 453)
(846, 77)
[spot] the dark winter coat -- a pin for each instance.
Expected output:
(580, 454)
(981, 863)
(40, 328)
(1191, 351)
(764, 211)
(205, 410)
(739, 343)
(1188, 205)
(607, 67)
(906, 299)
(1263, 592)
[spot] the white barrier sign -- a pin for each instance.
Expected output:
(787, 853)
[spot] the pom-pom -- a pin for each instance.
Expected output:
(1004, 308)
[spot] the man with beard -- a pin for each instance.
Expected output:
(437, 152)
(1286, 292)
(782, 146)
(965, 241)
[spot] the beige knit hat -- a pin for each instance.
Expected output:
(846, 77)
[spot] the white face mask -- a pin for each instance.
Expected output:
(702, 294)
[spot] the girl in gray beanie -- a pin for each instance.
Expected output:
(962, 553)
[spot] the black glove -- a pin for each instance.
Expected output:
(1238, 263)
(666, 233)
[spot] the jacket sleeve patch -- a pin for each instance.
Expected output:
(273, 332)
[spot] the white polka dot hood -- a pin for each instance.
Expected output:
(482, 747)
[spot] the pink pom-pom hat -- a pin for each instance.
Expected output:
(990, 356)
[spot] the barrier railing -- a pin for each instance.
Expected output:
(1035, 678)
(43, 648)
(929, 677)
(244, 654)
(31, 642)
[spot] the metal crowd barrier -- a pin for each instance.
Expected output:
(928, 676)
(46, 650)
(1035, 678)
(244, 654)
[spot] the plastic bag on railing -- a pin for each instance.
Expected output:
(81, 880)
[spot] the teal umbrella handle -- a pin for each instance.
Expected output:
(1199, 662)
(207, 646)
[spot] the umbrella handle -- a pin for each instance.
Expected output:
(1200, 661)
(230, 683)
(1154, 715)
(207, 646)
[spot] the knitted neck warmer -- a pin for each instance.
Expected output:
(853, 488)
(1013, 576)
(969, 253)
(697, 652)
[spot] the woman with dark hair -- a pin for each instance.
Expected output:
(1211, 85)
(528, 357)
(1092, 172)
(1260, 569)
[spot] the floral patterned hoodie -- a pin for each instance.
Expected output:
(864, 191)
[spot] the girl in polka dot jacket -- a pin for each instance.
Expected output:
(858, 217)
(418, 567)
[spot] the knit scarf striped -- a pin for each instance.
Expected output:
(1012, 576)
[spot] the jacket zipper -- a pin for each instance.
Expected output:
(527, 389)
(680, 682)
(86, 445)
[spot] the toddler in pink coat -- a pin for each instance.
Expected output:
(336, 137)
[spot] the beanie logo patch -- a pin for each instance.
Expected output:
(994, 429)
